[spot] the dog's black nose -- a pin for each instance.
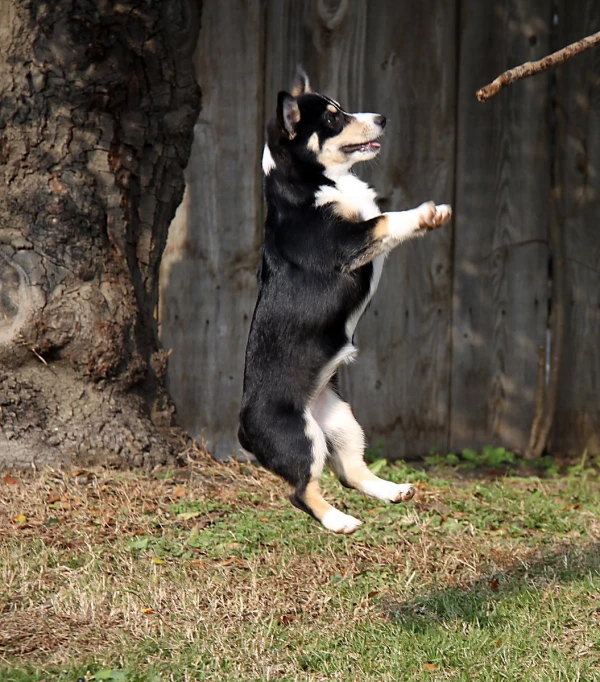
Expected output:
(380, 120)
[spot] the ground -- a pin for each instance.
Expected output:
(208, 573)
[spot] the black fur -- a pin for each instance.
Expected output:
(306, 290)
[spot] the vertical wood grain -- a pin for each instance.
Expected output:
(577, 419)
(209, 268)
(501, 215)
(327, 37)
(400, 385)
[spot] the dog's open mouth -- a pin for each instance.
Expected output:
(362, 147)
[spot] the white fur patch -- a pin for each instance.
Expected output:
(335, 418)
(354, 194)
(268, 162)
(339, 522)
(405, 224)
(319, 445)
(346, 355)
(354, 318)
(388, 491)
(367, 118)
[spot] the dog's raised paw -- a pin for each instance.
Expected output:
(443, 213)
(432, 216)
(426, 214)
(339, 522)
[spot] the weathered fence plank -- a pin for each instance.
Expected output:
(450, 345)
(400, 385)
(577, 421)
(208, 271)
(326, 38)
(501, 213)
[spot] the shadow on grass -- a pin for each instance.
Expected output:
(484, 602)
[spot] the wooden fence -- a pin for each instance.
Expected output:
(450, 345)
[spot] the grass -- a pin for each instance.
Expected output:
(208, 573)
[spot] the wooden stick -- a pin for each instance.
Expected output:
(531, 68)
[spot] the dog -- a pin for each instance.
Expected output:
(324, 246)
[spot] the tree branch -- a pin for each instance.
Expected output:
(532, 68)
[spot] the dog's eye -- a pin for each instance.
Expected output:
(330, 117)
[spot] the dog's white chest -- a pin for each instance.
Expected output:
(354, 197)
(351, 195)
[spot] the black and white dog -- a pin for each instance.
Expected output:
(325, 243)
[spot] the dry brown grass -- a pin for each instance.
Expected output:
(72, 590)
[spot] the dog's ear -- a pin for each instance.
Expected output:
(301, 82)
(288, 113)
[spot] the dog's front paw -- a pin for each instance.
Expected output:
(432, 216)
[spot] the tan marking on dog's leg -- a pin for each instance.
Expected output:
(382, 229)
(329, 516)
(311, 496)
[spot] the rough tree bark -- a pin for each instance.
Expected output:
(98, 101)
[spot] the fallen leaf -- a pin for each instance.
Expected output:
(53, 496)
(157, 560)
(178, 491)
(430, 666)
(10, 480)
(20, 518)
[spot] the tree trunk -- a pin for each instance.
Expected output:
(98, 101)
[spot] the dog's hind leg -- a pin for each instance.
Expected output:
(308, 496)
(293, 446)
(347, 444)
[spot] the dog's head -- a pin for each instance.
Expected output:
(316, 130)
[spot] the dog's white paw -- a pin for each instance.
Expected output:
(388, 491)
(339, 522)
(405, 492)
(432, 216)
